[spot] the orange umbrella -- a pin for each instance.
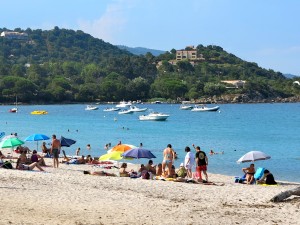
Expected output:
(122, 148)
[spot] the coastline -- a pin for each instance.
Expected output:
(67, 196)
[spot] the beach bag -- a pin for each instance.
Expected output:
(7, 165)
(145, 175)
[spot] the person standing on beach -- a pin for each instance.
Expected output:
(55, 148)
(168, 159)
(201, 163)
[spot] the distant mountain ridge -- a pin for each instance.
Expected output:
(290, 76)
(141, 50)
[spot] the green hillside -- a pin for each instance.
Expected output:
(61, 65)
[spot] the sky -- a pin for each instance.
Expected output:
(262, 31)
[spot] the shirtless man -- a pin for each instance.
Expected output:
(169, 156)
(55, 148)
(249, 171)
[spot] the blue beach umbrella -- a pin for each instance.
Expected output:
(138, 153)
(37, 138)
(67, 142)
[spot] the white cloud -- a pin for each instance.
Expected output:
(109, 26)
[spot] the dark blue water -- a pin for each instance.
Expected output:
(236, 129)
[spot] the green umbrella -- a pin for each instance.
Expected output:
(11, 142)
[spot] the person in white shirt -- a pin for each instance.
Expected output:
(189, 162)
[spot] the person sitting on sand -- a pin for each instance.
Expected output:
(23, 158)
(81, 160)
(22, 166)
(150, 167)
(37, 158)
(123, 172)
(267, 178)
(171, 173)
(142, 168)
(100, 173)
(159, 169)
(249, 171)
(45, 150)
(181, 172)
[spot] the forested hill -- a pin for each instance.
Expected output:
(61, 65)
(60, 44)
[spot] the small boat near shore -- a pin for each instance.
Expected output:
(154, 116)
(186, 107)
(123, 104)
(91, 107)
(13, 110)
(39, 112)
(137, 109)
(111, 109)
(204, 108)
(125, 111)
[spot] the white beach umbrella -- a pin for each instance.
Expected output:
(253, 156)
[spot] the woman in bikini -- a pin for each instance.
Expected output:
(168, 160)
(250, 171)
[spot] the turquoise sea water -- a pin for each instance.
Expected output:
(236, 129)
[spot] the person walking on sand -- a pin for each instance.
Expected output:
(55, 148)
(201, 163)
(168, 157)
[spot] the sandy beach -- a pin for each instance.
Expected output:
(67, 196)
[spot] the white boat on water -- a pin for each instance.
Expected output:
(137, 109)
(154, 116)
(204, 108)
(111, 109)
(123, 104)
(186, 107)
(91, 107)
(125, 111)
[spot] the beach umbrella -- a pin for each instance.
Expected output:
(253, 156)
(66, 142)
(37, 138)
(11, 142)
(111, 156)
(122, 148)
(138, 153)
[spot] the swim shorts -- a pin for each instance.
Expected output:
(55, 153)
(202, 168)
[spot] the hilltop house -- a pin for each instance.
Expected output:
(14, 35)
(234, 83)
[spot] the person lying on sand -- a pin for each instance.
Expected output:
(99, 173)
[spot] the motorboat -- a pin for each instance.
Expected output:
(204, 108)
(111, 109)
(125, 111)
(154, 116)
(91, 107)
(13, 110)
(39, 112)
(123, 104)
(186, 107)
(137, 109)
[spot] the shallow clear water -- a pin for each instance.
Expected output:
(236, 129)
